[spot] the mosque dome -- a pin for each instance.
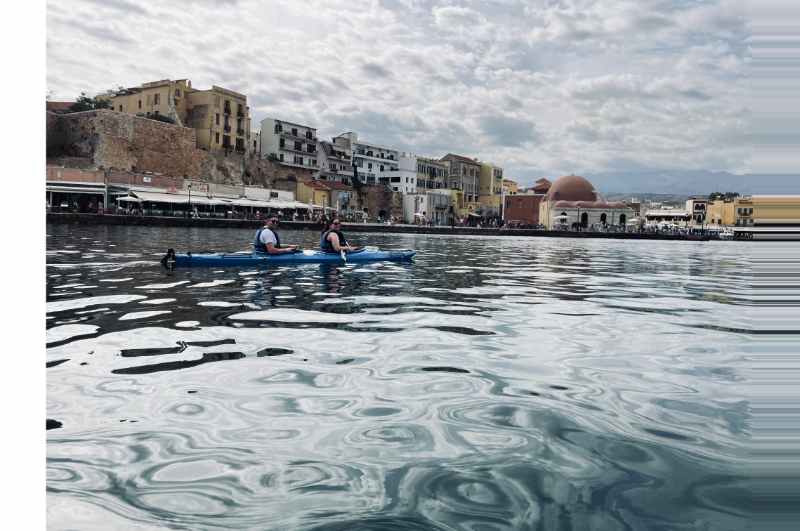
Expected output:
(571, 188)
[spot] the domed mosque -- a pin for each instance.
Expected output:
(573, 203)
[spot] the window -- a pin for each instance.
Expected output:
(298, 159)
(140, 104)
(280, 157)
(177, 93)
(216, 101)
(369, 166)
(381, 167)
(278, 128)
(294, 131)
(313, 162)
(282, 143)
(298, 146)
(217, 118)
(395, 179)
(156, 99)
(216, 138)
(273, 195)
(120, 108)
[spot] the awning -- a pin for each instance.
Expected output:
(181, 199)
(96, 190)
(129, 199)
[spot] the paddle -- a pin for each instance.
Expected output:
(344, 256)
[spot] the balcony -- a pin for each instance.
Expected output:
(227, 128)
(227, 108)
(240, 112)
(240, 149)
(298, 136)
(240, 132)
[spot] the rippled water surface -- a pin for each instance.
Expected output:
(493, 383)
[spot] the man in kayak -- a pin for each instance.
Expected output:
(333, 241)
(267, 239)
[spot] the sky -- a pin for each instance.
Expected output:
(618, 90)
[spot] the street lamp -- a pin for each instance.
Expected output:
(190, 200)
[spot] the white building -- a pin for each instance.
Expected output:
(572, 202)
(372, 161)
(432, 207)
(335, 161)
(666, 215)
(404, 179)
(289, 143)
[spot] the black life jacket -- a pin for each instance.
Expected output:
(325, 244)
(258, 245)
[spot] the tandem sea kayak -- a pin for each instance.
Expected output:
(301, 257)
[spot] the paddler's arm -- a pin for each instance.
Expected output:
(271, 249)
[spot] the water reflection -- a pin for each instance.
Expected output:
(525, 384)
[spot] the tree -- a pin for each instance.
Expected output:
(85, 103)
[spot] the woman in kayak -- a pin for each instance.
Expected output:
(267, 239)
(333, 241)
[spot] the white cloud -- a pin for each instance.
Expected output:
(541, 88)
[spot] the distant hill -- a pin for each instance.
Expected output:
(683, 183)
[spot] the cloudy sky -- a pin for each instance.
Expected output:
(543, 87)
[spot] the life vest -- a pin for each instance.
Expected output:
(325, 244)
(258, 245)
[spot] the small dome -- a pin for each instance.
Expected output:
(571, 188)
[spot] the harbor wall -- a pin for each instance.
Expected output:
(109, 219)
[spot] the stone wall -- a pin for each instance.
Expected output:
(119, 141)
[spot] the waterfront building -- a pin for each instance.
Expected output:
(511, 187)
(335, 161)
(697, 207)
(289, 144)
(432, 207)
(374, 164)
(490, 189)
(315, 193)
(219, 116)
(572, 202)
(671, 216)
(767, 211)
(464, 175)
(404, 179)
(431, 174)
(523, 208)
(721, 211)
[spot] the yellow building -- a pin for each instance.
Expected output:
(490, 188)
(314, 192)
(767, 210)
(721, 212)
(511, 187)
(220, 117)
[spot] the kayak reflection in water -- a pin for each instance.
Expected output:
(267, 239)
(332, 239)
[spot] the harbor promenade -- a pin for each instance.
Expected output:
(165, 221)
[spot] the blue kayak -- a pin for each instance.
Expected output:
(300, 257)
